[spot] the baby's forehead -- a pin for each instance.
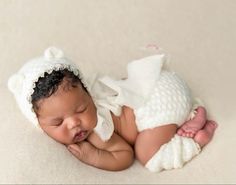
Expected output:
(66, 85)
(66, 98)
(63, 88)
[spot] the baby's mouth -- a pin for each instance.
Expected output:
(80, 136)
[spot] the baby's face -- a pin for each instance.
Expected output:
(69, 115)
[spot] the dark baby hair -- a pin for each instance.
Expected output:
(47, 85)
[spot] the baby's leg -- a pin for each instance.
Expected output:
(149, 141)
(191, 127)
(205, 135)
(161, 148)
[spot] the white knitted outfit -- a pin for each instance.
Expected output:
(158, 97)
(170, 102)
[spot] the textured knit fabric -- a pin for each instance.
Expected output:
(157, 96)
(173, 154)
(134, 91)
(169, 102)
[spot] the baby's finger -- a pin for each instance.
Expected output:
(76, 151)
(74, 148)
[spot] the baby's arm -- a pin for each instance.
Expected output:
(114, 154)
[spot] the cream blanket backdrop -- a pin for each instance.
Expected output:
(104, 36)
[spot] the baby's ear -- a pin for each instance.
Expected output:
(15, 83)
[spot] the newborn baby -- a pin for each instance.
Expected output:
(104, 122)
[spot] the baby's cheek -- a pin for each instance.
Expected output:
(93, 116)
(94, 120)
(90, 121)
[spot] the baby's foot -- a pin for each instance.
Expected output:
(191, 127)
(205, 135)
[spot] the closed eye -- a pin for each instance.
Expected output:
(83, 110)
(56, 122)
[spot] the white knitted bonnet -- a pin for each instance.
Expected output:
(22, 83)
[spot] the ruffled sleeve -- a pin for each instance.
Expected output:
(105, 126)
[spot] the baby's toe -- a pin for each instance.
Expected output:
(191, 135)
(180, 132)
(188, 134)
(213, 123)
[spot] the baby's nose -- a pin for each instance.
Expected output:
(73, 122)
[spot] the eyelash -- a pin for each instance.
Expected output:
(58, 124)
(82, 110)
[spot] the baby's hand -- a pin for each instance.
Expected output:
(85, 152)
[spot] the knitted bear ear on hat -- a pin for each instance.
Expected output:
(15, 83)
(53, 53)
